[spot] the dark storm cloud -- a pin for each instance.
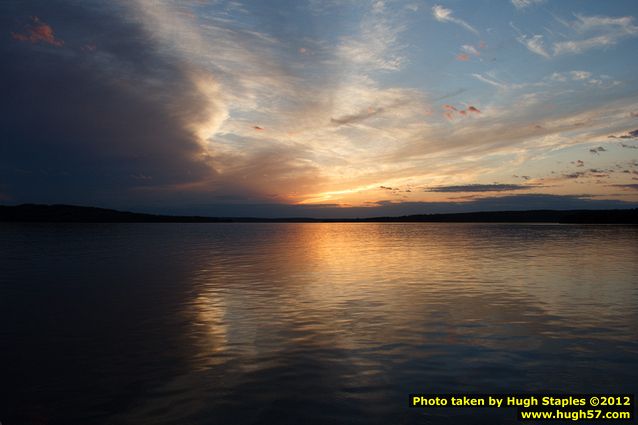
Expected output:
(478, 188)
(83, 119)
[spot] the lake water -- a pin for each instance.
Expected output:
(308, 323)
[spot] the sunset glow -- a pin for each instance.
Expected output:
(191, 105)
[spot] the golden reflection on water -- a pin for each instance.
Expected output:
(358, 286)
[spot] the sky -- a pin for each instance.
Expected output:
(335, 108)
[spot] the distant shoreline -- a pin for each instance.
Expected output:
(34, 213)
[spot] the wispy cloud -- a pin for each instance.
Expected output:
(587, 32)
(585, 77)
(442, 14)
(491, 82)
(579, 46)
(523, 4)
(535, 44)
(377, 44)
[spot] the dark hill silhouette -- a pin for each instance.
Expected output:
(77, 214)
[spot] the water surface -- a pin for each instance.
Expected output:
(307, 323)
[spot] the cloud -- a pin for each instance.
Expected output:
(470, 49)
(523, 4)
(491, 82)
(579, 46)
(478, 188)
(580, 75)
(597, 150)
(628, 146)
(557, 76)
(86, 127)
(38, 31)
(629, 135)
(575, 175)
(451, 112)
(591, 23)
(588, 32)
(534, 44)
(442, 14)
(377, 45)
(258, 128)
(585, 77)
(626, 186)
(354, 118)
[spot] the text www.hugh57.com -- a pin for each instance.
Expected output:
(573, 415)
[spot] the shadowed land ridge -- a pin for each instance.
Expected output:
(80, 214)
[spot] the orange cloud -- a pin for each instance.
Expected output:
(451, 111)
(36, 32)
(463, 57)
(258, 128)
